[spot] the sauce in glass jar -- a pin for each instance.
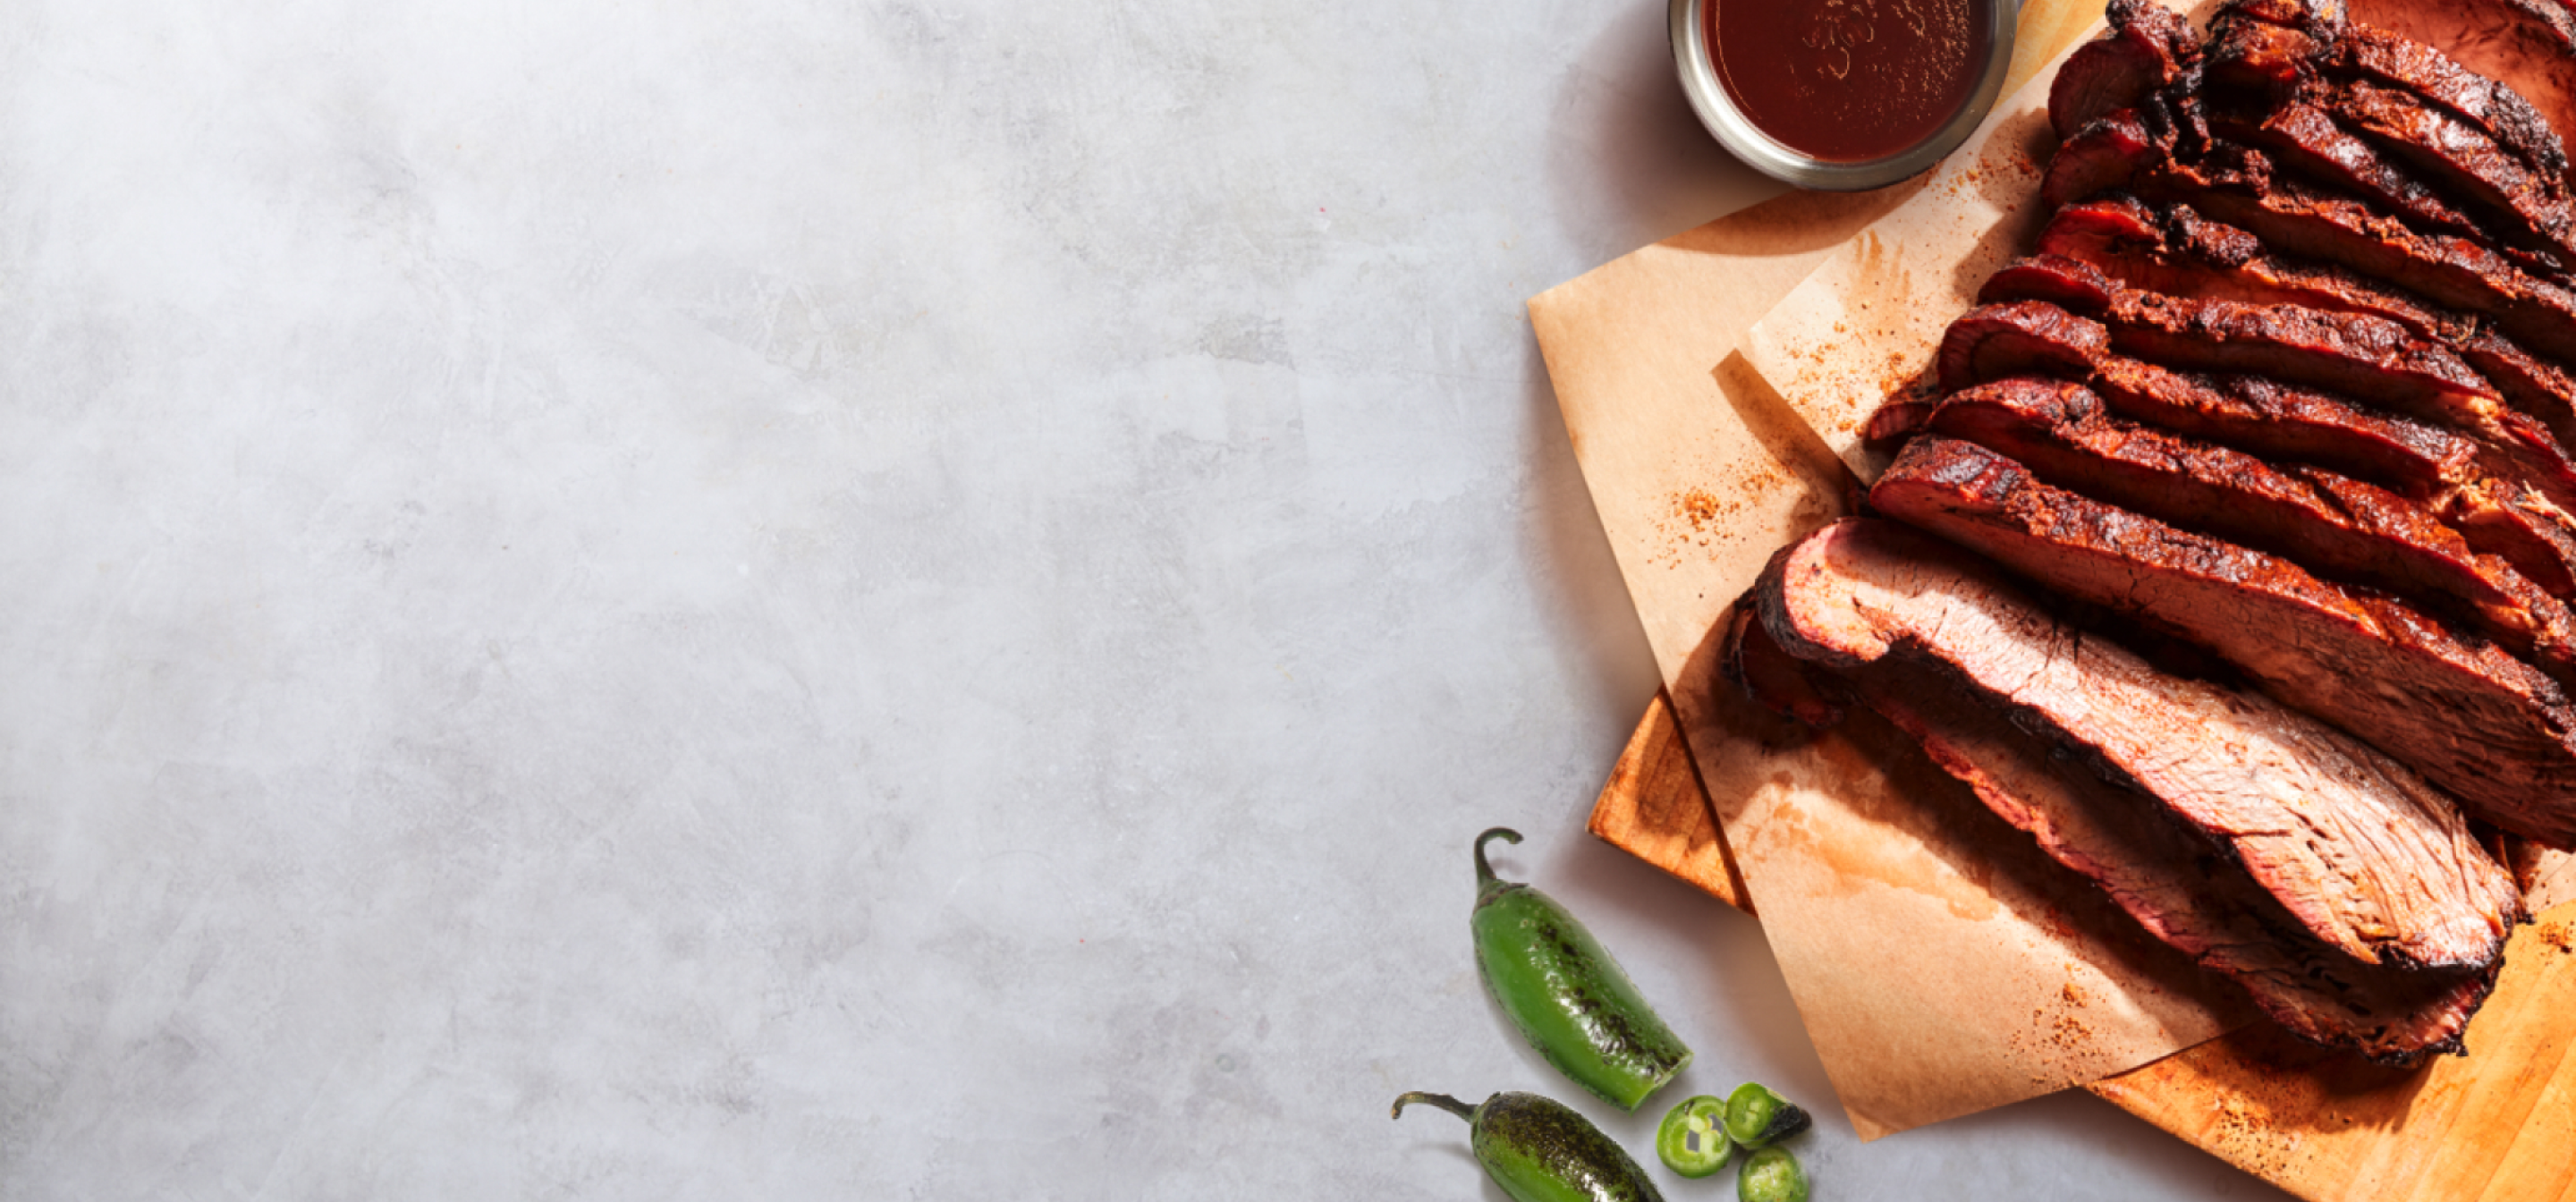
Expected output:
(1847, 80)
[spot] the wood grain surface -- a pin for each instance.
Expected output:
(2498, 1125)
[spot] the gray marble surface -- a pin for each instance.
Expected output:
(774, 599)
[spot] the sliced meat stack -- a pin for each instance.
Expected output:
(2345, 895)
(2289, 377)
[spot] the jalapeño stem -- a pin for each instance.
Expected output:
(1484, 871)
(1439, 1100)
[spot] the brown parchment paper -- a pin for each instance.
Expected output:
(1940, 964)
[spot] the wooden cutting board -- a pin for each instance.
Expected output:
(2497, 1125)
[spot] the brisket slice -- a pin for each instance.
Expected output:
(2361, 356)
(2489, 728)
(2302, 138)
(2367, 358)
(2368, 857)
(2531, 385)
(2109, 153)
(2334, 526)
(2180, 252)
(1896, 421)
(2523, 207)
(2296, 425)
(2148, 47)
(2278, 66)
(2172, 248)
(1993, 341)
(2472, 486)
(2265, 852)
(2526, 47)
(2238, 188)
(2271, 50)
(1784, 684)
(2369, 52)
(2510, 522)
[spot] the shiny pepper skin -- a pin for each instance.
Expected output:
(1542, 1150)
(1565, 993)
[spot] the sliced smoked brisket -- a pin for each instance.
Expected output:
(2334, 526)
(2527, 48)
(2363, 357)
(2149, 47)
(2303, 138)
(2294, 218)
(2511, 197)
(2388, 57)
(2275, 851)
(1994, 342)
(2358, 355)
(2493, 730)
(2241, 186)
(2176, 250)
(2270, 50)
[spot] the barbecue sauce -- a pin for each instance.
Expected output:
(1847, 80)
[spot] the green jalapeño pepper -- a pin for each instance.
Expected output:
(1541, 1150)
(1771, 1175)
(1565, 993)
(1755, 1116)
(1692, 1140)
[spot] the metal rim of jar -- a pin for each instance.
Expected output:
(1768, 155)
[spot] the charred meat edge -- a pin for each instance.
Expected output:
(2526, 48)
(2462, 158)
(2176, 250)
(2282, 104)
(2241, 186)
(2148, 47)
(2054, 769)
(2338, 528)
(2492, 730)
(2367, 358)
(2452, 475)
(2173, 249)
(2371, 52)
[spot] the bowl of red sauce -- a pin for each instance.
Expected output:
(1842, 95)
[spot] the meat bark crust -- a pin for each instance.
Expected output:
(2493, 731)
(2147, 48)
(2369, 358)
(2270, 50)
(2457, 272)
(2527, 47)
(2302, 138)
(1994, 342)
(2491, 496)
(2371, 52)
(2336, 527)
(2070, 738)
(2461, 157)
(2240, 185)
(2176, 250)
(2109, 153)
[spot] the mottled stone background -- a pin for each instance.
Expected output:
(813, 600)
